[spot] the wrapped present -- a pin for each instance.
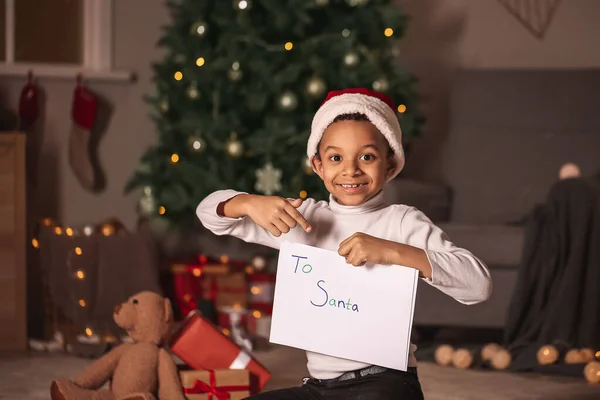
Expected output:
(229, 290)
(259, 325)
(223, 384)
(262, 292)
(201, 345)
(188, 282)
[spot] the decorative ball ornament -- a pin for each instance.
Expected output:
(462, 359)
(587, 354)
(592, 372)
(234, 147)
(242, 5)
(321, 3)
(351, 59)
(197, 144)
(288, 101)
(199, 28)
(569, 170)
(192, 91)
(443, 355)
(489, 350)
(315, 87)
(501, 360)
(381, 85)
(547, 355)
(235, 73)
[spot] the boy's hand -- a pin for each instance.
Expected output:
(276, 214)
(361, 248)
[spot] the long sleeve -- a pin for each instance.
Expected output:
(242, 228)
(454, 271)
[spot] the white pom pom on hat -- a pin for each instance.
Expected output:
(377, 107)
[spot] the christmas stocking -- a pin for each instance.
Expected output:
(84, 109)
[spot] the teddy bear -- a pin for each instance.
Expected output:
(138, 370)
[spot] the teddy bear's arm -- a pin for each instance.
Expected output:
(169, 384)
(101, 370)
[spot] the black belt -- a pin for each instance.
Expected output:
(372, 370)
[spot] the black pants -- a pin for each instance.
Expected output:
(387, 385)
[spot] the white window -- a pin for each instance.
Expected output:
(58, 38)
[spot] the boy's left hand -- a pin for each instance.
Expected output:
(361, 248)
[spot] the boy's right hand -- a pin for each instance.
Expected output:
(275, 214)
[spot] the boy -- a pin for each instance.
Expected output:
(355, 147)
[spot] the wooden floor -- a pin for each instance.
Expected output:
(28, 377)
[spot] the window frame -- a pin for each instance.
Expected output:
(97, 47)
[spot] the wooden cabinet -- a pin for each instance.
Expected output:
(13, 220)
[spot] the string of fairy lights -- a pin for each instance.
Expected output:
(75, 269)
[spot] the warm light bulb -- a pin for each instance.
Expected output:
(58, 230)
(187, 297)
(88, 332)
(178, 76)
(237, 306)
(69, 231)
(174, 158)
(388, 32)
(255, 290)
(598, 354)
(249, 270)
(80, 274)
(197, 272)
(82, 302)
(224, 259)
(200, 61)
(47, 221)
(289, 45)
(401, 108)
(256, 314)
(303, 194)
(162, 210)
(225, 331)
(35, 243)
(78, 251)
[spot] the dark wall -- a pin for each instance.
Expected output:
(510, 132)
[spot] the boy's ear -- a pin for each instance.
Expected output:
(317, 165)
(391, 167)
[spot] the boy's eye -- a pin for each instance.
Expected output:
(367, 157)
(336, 158)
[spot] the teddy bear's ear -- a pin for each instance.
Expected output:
(168, 311)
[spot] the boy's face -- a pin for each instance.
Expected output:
(354, 162)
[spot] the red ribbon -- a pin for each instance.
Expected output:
(221, 392)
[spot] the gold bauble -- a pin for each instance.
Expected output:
(381, 85)
(234, 147)
(315, 87)
(288, 101)
(351, 59)
(321, 3)
(242, 5)
(192, 91)
(199, 28)
(197, 144)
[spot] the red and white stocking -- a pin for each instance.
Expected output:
(83, 112)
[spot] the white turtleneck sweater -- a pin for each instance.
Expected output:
(454, 271)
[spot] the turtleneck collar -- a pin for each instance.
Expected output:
(376, 202)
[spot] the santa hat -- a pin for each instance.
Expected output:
(377, 107)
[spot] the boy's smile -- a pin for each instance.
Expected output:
(354, 161)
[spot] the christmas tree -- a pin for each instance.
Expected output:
(240, 82)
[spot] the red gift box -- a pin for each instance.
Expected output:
(201, 345)
(262, 292)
